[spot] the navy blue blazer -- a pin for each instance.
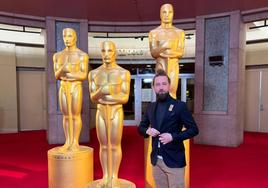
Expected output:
(175, 118)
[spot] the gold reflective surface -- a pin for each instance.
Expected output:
(167, 46)
(123, 184)
(70, 67)
(109, 87)
(70, 169)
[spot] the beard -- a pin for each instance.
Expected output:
(162, 96)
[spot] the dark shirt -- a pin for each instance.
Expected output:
(159, 115)
(160, 109)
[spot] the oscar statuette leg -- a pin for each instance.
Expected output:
(114, 133)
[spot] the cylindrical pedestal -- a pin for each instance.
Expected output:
(70, 169)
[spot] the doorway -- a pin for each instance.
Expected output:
(256, 113)
(31, 87)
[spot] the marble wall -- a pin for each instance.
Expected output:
(216, 76)
(219, 91)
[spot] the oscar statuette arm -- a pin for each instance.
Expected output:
(95, 93)
(178, 50)
(122, 97)
(82, 73)
(58, 67)
(155, 49)
(181, 44)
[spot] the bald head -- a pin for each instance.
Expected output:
(166, 6)
(166, 13)
(108, 44)
(108, 52)
(69, 37)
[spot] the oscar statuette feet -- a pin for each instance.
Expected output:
(64, 148)
(103, 183)
(109, 183)
(115, 183)
(74, 147)
(69, 148)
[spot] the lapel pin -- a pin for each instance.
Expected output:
(170, 107)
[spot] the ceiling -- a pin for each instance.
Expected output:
(124, 10)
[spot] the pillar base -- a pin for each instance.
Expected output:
(123, 184)
(72, 169)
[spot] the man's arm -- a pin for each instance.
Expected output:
(144, 125)
(145, 129)
(189, 123)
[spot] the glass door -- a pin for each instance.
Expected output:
(147, 93)
(141, 94)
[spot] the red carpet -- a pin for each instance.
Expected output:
(23, 161)
(241, 167)
(23, 158)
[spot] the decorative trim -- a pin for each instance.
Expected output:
(21, 19)
(18, 68)
(254, 14)
(24, 44)
(262, 66)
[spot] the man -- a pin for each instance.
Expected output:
(71, 68)
(109, 87)
(164, 121)
(167, 46)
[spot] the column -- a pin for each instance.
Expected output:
(219, 79)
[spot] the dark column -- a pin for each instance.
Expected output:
(54, 43)
(219, 79)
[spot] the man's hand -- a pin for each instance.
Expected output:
(165, 138)
(152, 132)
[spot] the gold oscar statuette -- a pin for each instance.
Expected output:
(167, 47)
(70, 165)
(109, 87)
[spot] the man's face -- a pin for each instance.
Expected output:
(161, 85)
(108, 52)
(166, 13)
(69, 37)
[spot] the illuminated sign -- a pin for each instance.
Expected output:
(126, 52)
